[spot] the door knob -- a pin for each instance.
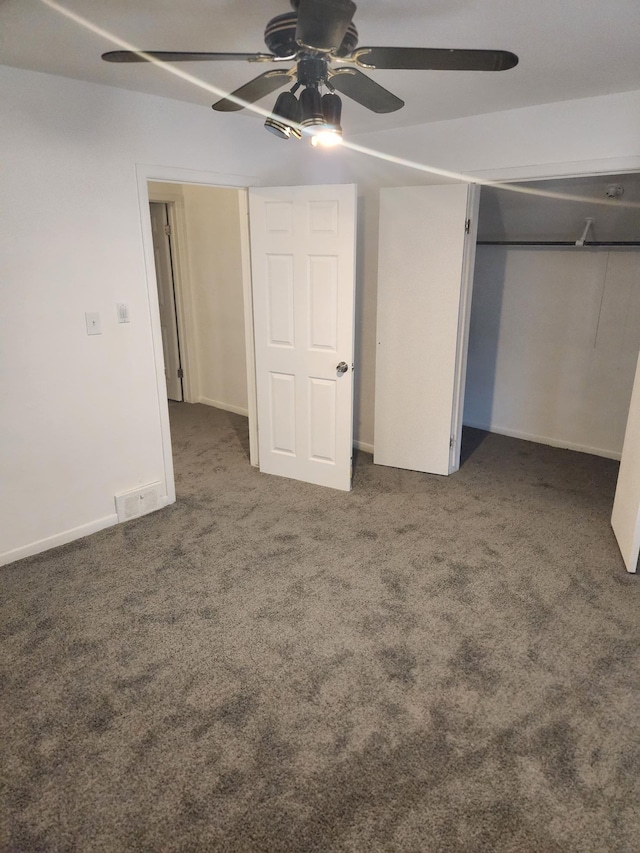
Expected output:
(342, 367)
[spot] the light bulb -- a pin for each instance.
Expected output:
(326, 139)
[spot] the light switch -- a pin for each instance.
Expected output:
(123, 312)
(94, 326)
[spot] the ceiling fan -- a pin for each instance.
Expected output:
(320, 38)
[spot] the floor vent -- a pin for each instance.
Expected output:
(138, 502)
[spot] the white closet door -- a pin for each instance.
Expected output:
(425, 275)
(303, 274)
(625, 518)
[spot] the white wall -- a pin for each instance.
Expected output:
(553, 345)
(215, 263)
(81, 416)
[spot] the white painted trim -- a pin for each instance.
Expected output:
(166, 195)
(247, 300)
(364, 446)
(184, 300)
(58, 539)
(226, 407)
(193, 176)
(551, 171)
(156, 333)
(544, 439)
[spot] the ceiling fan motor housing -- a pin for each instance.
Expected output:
(280, 37)
(312, 71)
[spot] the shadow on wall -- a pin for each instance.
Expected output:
(488, 288)
(471, 441)
(357, 349)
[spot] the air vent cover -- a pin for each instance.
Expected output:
(138, 502)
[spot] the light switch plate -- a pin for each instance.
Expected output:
(94, 327)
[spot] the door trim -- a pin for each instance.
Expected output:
(182, 280)
(250, 349)
(170, 174)
(553, 171)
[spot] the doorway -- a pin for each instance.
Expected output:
(168, 185)
(208, 247)
(555, 325)
(207, 243)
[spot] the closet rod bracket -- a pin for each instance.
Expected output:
(587, 227)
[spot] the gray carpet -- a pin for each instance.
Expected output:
(424, 664)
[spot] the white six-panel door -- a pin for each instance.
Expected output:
(425, 273)
(303, 279)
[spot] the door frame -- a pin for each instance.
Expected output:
(532, 174)
(170, 174)
(182, 293)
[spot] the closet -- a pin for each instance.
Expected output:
(555, 319)
(530, 330)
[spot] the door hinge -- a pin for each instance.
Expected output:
(452, 441)
(167, 230)
(467, 226)
(180, 373)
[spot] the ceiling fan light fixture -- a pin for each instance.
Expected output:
(314, 36)
(328, 134)
(284, 117)
(332, 110)
(311, 108)
(326, 138)
(278, 128)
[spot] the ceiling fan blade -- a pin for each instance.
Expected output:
(356, 85)
(254, 90)
(181, 56)
(434, 59)
(322, 24)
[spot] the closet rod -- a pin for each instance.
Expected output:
(596, 243)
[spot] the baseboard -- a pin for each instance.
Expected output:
(226, 407)
(364, 446)
(544, 439)
(59, 539)
(67, 536)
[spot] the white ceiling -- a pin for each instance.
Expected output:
(567, 48)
